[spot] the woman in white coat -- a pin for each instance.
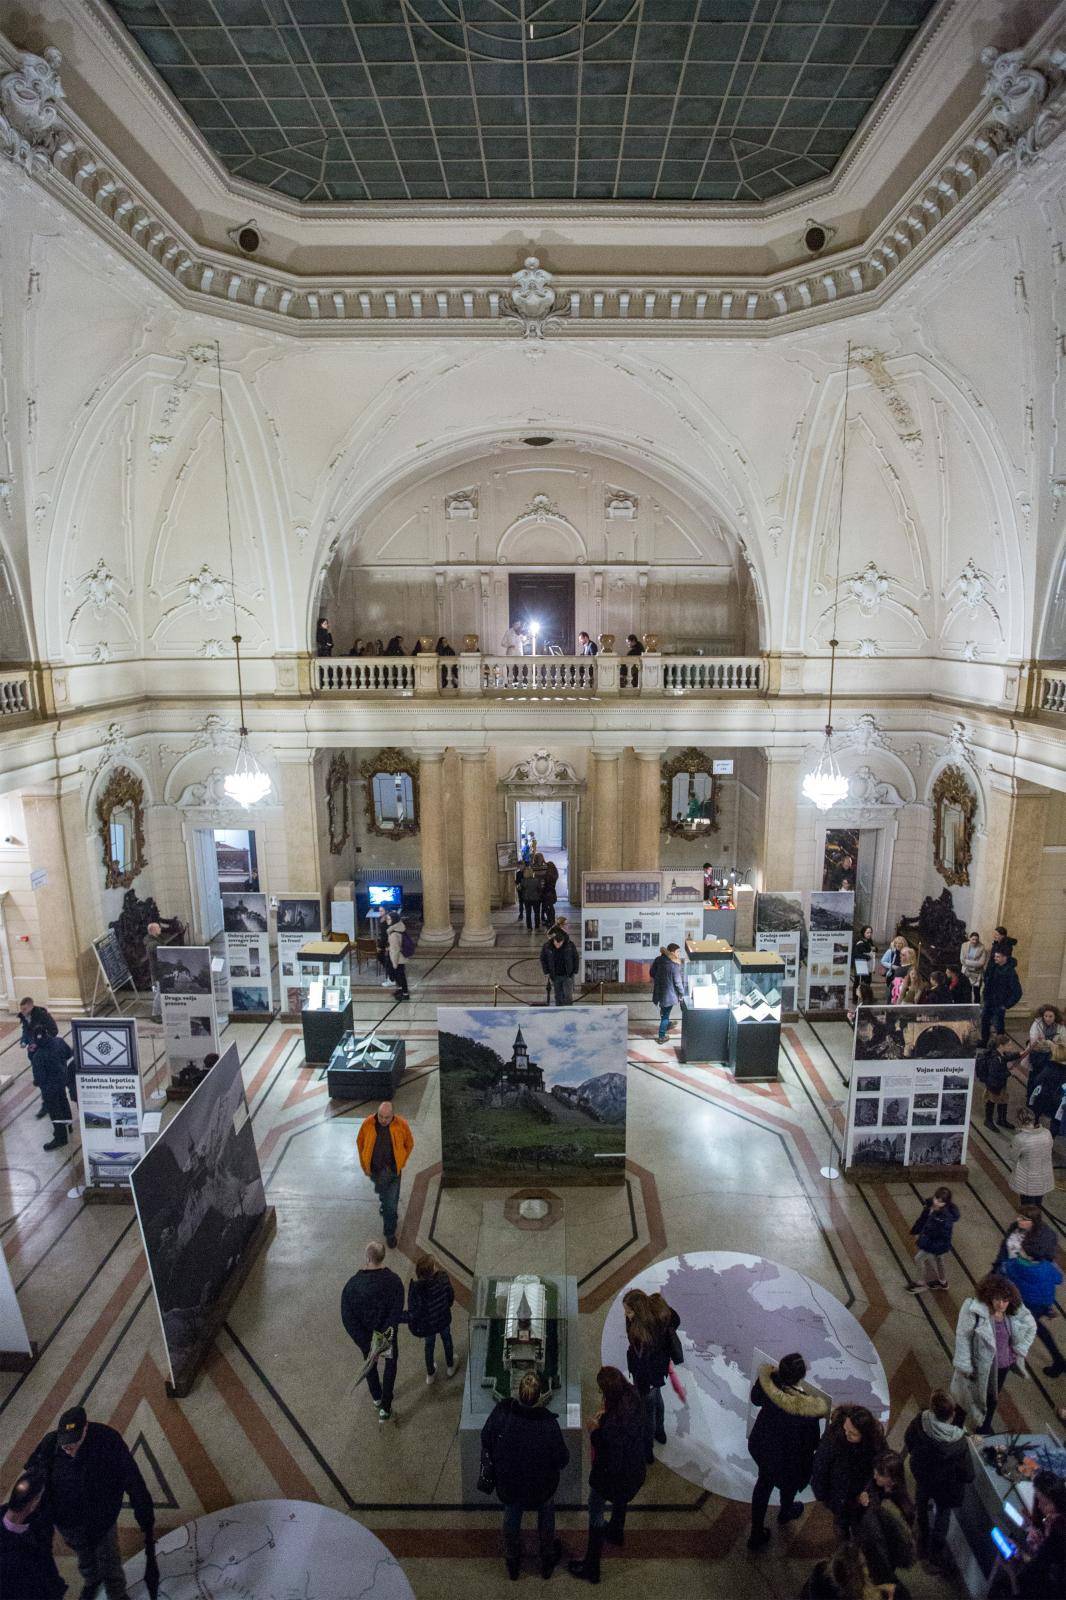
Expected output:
(1032, 1173)
(992, 1339)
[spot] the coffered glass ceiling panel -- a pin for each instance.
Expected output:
(349, 100)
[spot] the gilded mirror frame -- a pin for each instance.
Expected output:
(952, 787)
(396, 762)
(690, 761)
(123, 789)
(338, 804)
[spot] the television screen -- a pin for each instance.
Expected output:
(385, 894)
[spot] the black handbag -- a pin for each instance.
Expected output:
(486, 1478)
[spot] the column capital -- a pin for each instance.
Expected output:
(777, 754)
(606, 752)
(650, 753)
(473, 755)
(434, 754)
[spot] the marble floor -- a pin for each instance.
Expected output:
(711, 1165)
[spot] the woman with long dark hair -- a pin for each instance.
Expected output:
(885, 1534)
(618, 1468)
(648, 1360)
(844, 1464)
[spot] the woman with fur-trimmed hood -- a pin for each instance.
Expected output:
(783, 1440)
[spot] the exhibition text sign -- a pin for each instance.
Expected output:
(110, 1098)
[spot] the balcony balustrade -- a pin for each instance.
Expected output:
(537, 677)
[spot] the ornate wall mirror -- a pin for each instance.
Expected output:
(391, 794)
(120, 811)
(954, 809)
(338, 804)
(690, 796)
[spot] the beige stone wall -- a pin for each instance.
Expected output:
(19, 905)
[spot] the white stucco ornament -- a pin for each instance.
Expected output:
(867, 648)
(868, 588)
(620, 506)
(29, 108)
(866, 789)
(866, 734)
(461, 506)
(532, 299)
(206, 590)
(1020, 97)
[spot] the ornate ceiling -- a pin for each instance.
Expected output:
(353, 100)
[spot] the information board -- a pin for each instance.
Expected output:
(113, 963)
(299, 920)
(246, 922)
(110, 1098)
(911, 1086)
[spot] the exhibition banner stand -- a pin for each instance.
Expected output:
(190, 1020)
(831, 921)
(247, 927)
(781, 926)
(626, 917)
(203, 1216)
(112, 968)
(110, 1104)
(18, 1351)
(910, 1092)
(299, 919)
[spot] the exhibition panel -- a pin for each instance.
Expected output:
(299, 919)
(911, 1087)
(246, 922)
(107, 1074)
(186, 979)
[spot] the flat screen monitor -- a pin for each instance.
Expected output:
(385, 896)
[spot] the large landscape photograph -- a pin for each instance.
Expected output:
(532, 1093)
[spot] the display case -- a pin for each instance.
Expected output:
(755, 1014)
(709, 981)
(366, 1069)
(720, 922)
(522, 1322)
(324, 968)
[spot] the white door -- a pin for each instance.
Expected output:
(545, 819)
(205, 884)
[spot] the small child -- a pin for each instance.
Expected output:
(933, 1228)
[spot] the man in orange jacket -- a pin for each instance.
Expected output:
(384, 1143)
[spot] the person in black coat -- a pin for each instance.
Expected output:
(651, 1332)
(49, 1071)
(523, 1441)
(993, 1070)
(844, 1464)
(783, 1441)
(88, 1470)
(1030, 1235)
(667, 985)
(429, 1312)
(372, 1302)
(27, 1566)
(1045, 1088)
(960, 989)
(559, 964)
(618, 1467)
(933, 1229)
(939, 1453)
(33, 1017)
(1002, 992)
(323, 638)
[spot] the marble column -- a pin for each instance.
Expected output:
(436, 920)
(1009, 865)
(46, 848)
(606, 836)
(778, 853)
(477, 843)
(648, 808)
(296, 797)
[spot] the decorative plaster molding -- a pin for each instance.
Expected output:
(541, 777)
(619, 505)
(868, 588)
(462, 506)
(959, 747)
(90, 180)
(207, 591)
(899, 409)
(865, 733)
(867, 648)
(1026, 101)
(211, 795)
(100, 594)
(866, 789)
(29, 109)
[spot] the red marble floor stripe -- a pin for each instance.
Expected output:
(305, 1087)
(148, 1385)
(270, 1060)
(63, 1390)
(407, 1239)
(51, 1205)
(272, 1451)
(825, 1095)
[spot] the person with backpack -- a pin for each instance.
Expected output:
(88, 1470)
(933, 1230)
(938, 1451)
(616, 1437)
(667, 986)
(51, 1073)
(783, 1441)
(430, 1298)
(523, 1453)
(559, 964)
(1037, 1281)
(384, 1143)
(401, 945)
(993, 1072)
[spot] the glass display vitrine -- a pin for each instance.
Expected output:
(755, 1014)
(324, 968)
(709, 982)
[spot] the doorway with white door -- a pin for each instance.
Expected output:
(543, 824)
(223, 861)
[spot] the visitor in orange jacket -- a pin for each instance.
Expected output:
(384, 1143)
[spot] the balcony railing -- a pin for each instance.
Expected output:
(1053, 691)
(16, 695)
(537, 677)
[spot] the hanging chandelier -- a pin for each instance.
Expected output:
(247, 784)
(826, 786)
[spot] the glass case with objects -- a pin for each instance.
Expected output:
(709, 983)
(366, 1069)
(324, 968)
(755, 1014)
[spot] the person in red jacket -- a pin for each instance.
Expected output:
(384, 1143)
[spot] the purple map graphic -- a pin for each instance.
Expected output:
(732, 1306)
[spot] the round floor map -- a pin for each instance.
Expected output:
(273, 1550)
(735, 1311)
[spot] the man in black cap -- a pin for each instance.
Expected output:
(88, 1470)
(372, 1303)
(27, 1566)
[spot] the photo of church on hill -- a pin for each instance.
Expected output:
(533, 1093)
